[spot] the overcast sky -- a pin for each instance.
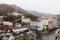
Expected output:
(46, 6)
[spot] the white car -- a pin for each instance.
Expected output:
(17, 25)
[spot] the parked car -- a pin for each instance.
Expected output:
(17, 25)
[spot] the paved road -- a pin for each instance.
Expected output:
(46, 36)
(49, 37)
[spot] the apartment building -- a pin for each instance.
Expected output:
(58, 20)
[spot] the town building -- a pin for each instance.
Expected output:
(58, 20)
(49, 22)
(52, 22)
(44, 21)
